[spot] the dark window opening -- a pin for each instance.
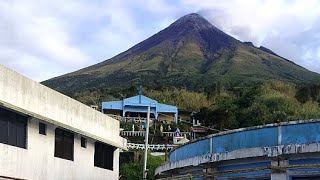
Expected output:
(13, 128)
(42, 128)
(103, 155)
(83, 142)
(63, 147)
(136, 114)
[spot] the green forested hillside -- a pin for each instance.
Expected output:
(272, 101)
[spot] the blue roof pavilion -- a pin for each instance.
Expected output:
(139, 105)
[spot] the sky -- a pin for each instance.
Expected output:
(44, 39)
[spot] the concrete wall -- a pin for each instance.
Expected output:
(37, 161)
(191, 150)
(245, 139)
(260, 136)
(300, 133)
(24, 95)
(274, 151)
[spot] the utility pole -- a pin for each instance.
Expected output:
(166, 152)
(145, 172)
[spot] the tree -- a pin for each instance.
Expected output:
(133, 171)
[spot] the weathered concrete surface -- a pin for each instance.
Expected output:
(244, 138)
(290, 140)
(272, 151)
(37, 162)
(280, 175)
(26, 96)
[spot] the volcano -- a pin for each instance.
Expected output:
(191, 53)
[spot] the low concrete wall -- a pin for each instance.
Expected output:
(37, 162)
(300, 133)
(295, 132)
(276, 151)
(28, 97)
(273, 151)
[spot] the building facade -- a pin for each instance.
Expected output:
(284, 151)
(138, 106)
(47, 135)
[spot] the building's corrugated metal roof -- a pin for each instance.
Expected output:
(139, 101)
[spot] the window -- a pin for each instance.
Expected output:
(13, 128)
(103, 155)
(83, 142)
(63, 147)
(42, 128)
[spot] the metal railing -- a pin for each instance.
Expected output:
(132, 133)
(172, 134)
(151, 146)
(130, 119)
(142, 133)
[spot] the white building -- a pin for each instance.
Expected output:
(47, 135)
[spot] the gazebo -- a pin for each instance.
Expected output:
(137, 106)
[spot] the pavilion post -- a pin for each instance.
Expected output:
(176, 117)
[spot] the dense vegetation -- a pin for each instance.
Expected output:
(133, 171)
(273, 101)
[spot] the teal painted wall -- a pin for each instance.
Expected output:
(261, 137)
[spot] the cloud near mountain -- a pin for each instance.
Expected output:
(190, 53)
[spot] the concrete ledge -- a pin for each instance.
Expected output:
(272, 151)
(251, 128)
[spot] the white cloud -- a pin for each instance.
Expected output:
(158, 6)
(31, 38)
(62, 36)
(287, 27)
(43, 39)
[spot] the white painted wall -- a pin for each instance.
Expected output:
(38, 161)
(29, 97)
